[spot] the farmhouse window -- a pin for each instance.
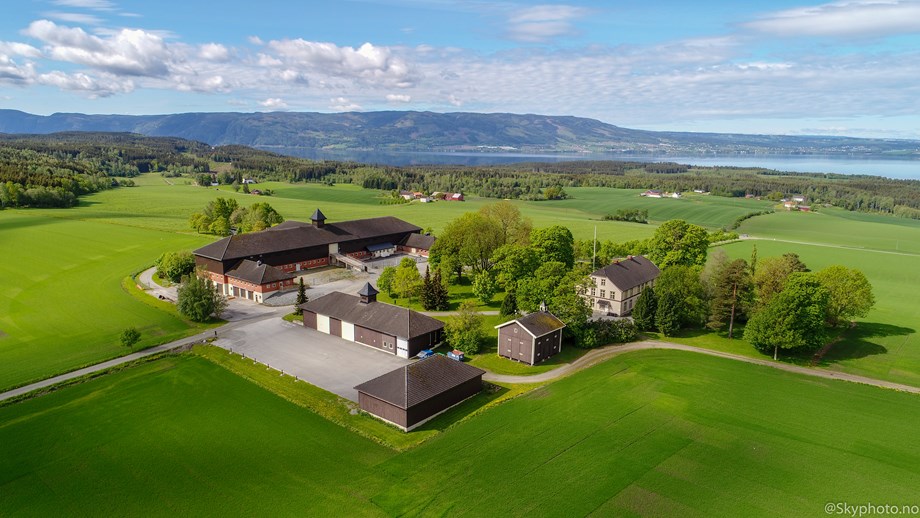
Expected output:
(603, 294)
(603, 282)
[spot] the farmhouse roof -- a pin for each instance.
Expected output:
(258, 273)
(378, 316)
(418, 382)
(292, 235)
(538, 323)
(422, 241)
(629, 272)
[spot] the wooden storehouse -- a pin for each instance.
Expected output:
(409, 396)
(532, 338)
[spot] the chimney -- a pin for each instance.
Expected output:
(318, 219)
(368, 293)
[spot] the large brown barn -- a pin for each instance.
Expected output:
(294, 246)
(531, 338)
(362, 319)
(411, 395)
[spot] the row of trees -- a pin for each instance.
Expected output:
(223, 214)
(784, 304)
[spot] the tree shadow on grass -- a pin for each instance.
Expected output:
(861, 341)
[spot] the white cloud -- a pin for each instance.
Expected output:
(83, 18)
(16, 48)
(214, 52)
(12, 72)
(99, 5)
(859, 18)
(399, 98)
(342, 104)
(366, 64)
(128, 52)
(543, 23)
(83, 83)
(454, 100)
(274, 103)
(255, 40)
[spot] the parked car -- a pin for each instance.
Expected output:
(456, 355)
(425, 353)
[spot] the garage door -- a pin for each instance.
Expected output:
(335, 327)
(309, 319)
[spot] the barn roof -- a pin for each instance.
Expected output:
(258, 273)
(421, 241)
(420, 381)
(292, 235)
(629, 272)
(538, 323)
(378, 316)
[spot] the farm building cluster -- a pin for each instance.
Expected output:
(255, 265)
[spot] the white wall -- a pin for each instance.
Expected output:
(322, 323)
(348, 331)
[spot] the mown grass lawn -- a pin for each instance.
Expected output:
(457, 292)
(649, 433)
(63, 304)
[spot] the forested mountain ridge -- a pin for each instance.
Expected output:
(428, 131)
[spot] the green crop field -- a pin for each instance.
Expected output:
(62, 305)
(651, 433)
(885, 344)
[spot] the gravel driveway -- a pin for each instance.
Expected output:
(328, 362)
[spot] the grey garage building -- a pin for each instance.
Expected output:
(362, 319)
(531, 338)
(411, 395)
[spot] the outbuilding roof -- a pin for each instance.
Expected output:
(258, 273)
(420, 241)
(538, 323)
(418, 382)
(378, 316)
(630, 272)
(292, 235)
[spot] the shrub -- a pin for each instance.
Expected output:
(130, 336)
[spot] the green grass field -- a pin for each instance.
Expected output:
(63, 305)
(885, 344)
(649, 434)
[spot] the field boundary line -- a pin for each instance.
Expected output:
(598, 355)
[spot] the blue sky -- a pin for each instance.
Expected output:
(789, 67)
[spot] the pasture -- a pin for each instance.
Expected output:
(62, 305)
(649, 433)
(884, 344)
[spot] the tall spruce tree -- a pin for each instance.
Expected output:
(428, 295)
(509, 305)
(301, 297)
(441, 298)
(643, 314)
(668, 313)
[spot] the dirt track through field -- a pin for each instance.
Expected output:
(599, 355)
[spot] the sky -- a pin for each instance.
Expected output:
(780, 67)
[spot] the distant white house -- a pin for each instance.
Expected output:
(798, 198)
(675, 195)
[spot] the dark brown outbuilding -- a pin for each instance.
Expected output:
(362, 319)
(531, 338)
(411, 395)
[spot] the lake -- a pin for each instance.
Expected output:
(877, 166)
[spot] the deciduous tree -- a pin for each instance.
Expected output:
(199, 300)
(465, 330)
(771, 276)
(130, 336)
(484, 286)
(793, 319)
(385, 280)
(554, 244)
(681, 299)
(677, 242)
(175, 265)
(850, 293)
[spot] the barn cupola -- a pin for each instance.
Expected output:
(368, 293)
(318, 219)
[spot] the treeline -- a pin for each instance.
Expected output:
(122, 154)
